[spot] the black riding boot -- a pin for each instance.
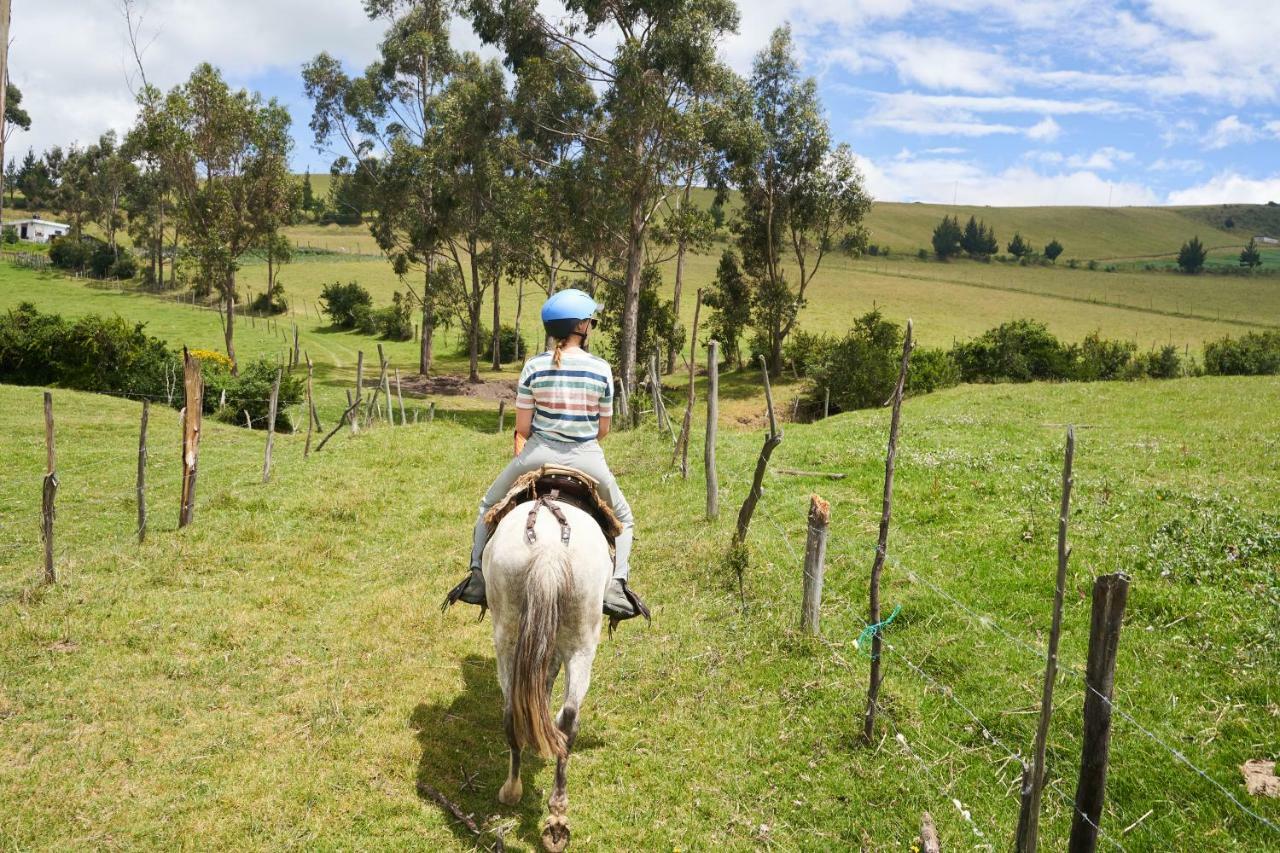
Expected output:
(621, 603)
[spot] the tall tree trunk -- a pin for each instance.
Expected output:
(519, 310)
(229, 331)
(631, 304)
(173, 262)
(428, 324)
(473, 345)
(775, 353)
(497, 349)
(675, 297)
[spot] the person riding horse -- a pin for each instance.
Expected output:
(564, 406)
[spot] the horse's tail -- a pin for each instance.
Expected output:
(548, 583)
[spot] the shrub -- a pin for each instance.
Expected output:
(342, 302)
(270, 302)
(511, 347)
(1097, 358)
(922, 254)
(125, 266)
(930, 370)
(805, 351)
(1021, 351)
(861, 368)
(947, 237)
(249, 392)
(101, 260)
(1253, 354)
(92, 353)
(10, 234)
(1051, 251)
(1093, 265)
(1163, 363)
(67, 253)
(395, 322)
(1073, 264)
(363, 320)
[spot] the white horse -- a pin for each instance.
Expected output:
(547, 597)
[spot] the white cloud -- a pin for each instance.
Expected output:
(1229, 187)
(1163, 164)
(941, 180)
(1230, 131)
(940, 64)
(1104, 159)
(1273, 128)
(1045, 130)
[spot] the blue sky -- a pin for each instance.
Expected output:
(984, 102)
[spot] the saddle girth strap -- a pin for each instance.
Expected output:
(549, 502)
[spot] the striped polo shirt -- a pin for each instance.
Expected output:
(568, 400)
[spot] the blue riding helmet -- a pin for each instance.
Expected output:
(565, 310)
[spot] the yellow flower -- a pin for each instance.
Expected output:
(211, 357)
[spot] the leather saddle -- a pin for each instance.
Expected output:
(558, 484)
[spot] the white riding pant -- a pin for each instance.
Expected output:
(588, 458)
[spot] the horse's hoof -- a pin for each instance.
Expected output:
(509, 794)
(555, 835)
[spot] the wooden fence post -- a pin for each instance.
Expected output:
(1110, 593)
(815, 556)
(49, 491)
(311, 410)
(882, 544)
(431, 411)
(502, 416)
(193, 388)
(295, 345)
(271, 427)
(386, 392)
(826, 406)
(142, 472)
(355, 419)
(929, 835)
(400, 397)
(713, 417)
(1029, 814)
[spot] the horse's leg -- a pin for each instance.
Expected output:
(555, 836)
(511, 790)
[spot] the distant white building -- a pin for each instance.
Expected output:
(38, 230)
(1267, 241)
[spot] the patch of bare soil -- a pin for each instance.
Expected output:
(452, 385)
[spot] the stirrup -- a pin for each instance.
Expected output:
(638, 607)
(455, 595)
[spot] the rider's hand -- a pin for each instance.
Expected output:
(518, 443)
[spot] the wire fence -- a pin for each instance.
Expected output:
(989, 623)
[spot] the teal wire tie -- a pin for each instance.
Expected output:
(871, 630)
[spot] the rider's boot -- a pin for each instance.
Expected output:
(621, 602)
(470, 591)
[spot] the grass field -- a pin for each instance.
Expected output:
(277, 674)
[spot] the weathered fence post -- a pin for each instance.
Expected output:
(271, 427)
(826, 406)
(355, 418)
(142, 472)
(502, 416)
(295, 345)
(386, 392)
(1110, 593)
(311, 409)
(882, 544)
(1029, 815)
(815, 557)
(400, 397)
(49, 491)
(193, 388)
(431, 411)
(929, 835)
(713, 416)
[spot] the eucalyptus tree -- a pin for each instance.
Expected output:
(227, 154)
(392, 111)
(798, 194)
(663, 62)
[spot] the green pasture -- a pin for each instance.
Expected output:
(278, 675)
